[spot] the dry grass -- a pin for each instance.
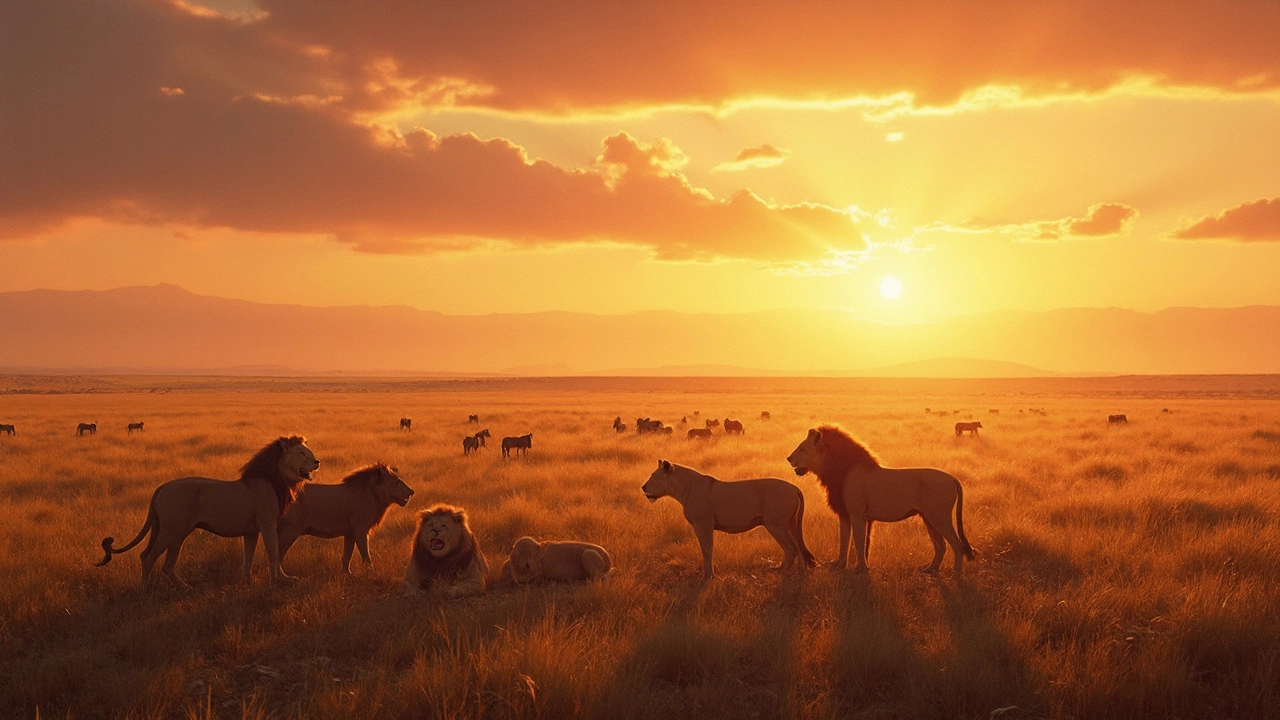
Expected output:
(1123, 572)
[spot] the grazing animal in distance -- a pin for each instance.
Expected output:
(531, 561)
(135, 426)
(1114, 419)
(480, 437)
(618, 425)
(765, 415)
(666, 430)
(350, 510)
(646, 426)
(968, 427)
(9, 429)
(732, 427)
(861, 491)
(699, 434)
(91, 428)
(684, 420)
(445, 554)
(470, 444)
(734, 507)
(994, 411)
(713, 423)
(473, 419)
(520, 444)
(406, 423)
(247, 507)
(1164, 410)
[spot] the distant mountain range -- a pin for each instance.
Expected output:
(165, 329)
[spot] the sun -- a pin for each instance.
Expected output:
(891, 287)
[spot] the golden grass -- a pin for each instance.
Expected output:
(1123, 571)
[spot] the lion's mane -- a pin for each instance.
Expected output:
(840, 454)
(265, 465)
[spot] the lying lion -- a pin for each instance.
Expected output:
(445, 555)
(531, 561)
(734, 507)
(349, 510)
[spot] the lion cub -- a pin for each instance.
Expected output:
(734, 507)
(445, 554)
(531, 561)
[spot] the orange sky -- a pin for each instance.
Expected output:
(610, 157)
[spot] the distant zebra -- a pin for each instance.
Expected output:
(521, 444)
(8, 429)
(1116, 419)
(135, 426)
(91, 428)
(470, 444)
(480, 436)
(406, 423)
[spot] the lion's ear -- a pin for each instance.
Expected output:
(815, 435)
(666, 466)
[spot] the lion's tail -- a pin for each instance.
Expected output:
(964, 541)
(146, 528)
(798, 530)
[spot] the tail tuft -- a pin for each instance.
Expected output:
(106, 546)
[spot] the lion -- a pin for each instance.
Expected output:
(968, 427)
(734, 507)
(861, 491)
(445, 553)
(531, 561)
(248, 507)
(350, 510)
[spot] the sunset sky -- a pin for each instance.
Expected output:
(474, 157)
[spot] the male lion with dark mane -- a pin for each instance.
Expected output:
(349, 510)
(734, 507)
(445, 554)
(861, 491)
(248, 507)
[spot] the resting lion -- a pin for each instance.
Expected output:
(445, 553)
(532, 560)
(349, 510)
(734, 507)
(860, 491)
(243, 508)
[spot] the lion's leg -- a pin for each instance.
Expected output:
(171, 562)
(949, 534)
(362, 544)
(271, 541)
(706, 538)
(939, 549)
(846, 530)
(250, 544)
(789, 549)
(860, 543)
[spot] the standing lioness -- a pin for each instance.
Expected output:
(734, 507)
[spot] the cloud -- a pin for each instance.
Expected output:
(530, 59)
(1101, 220)
(765, 156)
(1255, 221)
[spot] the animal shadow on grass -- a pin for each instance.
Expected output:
(987, 671)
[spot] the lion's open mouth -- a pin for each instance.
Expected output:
(435, 544)
(801, 471)
(306, 474)
(403, 501)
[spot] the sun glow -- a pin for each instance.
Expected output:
(891, 288)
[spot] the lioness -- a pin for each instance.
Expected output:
(445, 553)
(244, 508)
(734, 507)
(349, 510)
(532, 560)
(860, 491)
(968, 427)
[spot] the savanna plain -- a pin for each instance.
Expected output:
(1123, 570)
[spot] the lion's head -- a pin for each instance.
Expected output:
(829, 451)
(444, 544)
(659, 484)
(526, 560)
(286, 463)
(385, 483)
